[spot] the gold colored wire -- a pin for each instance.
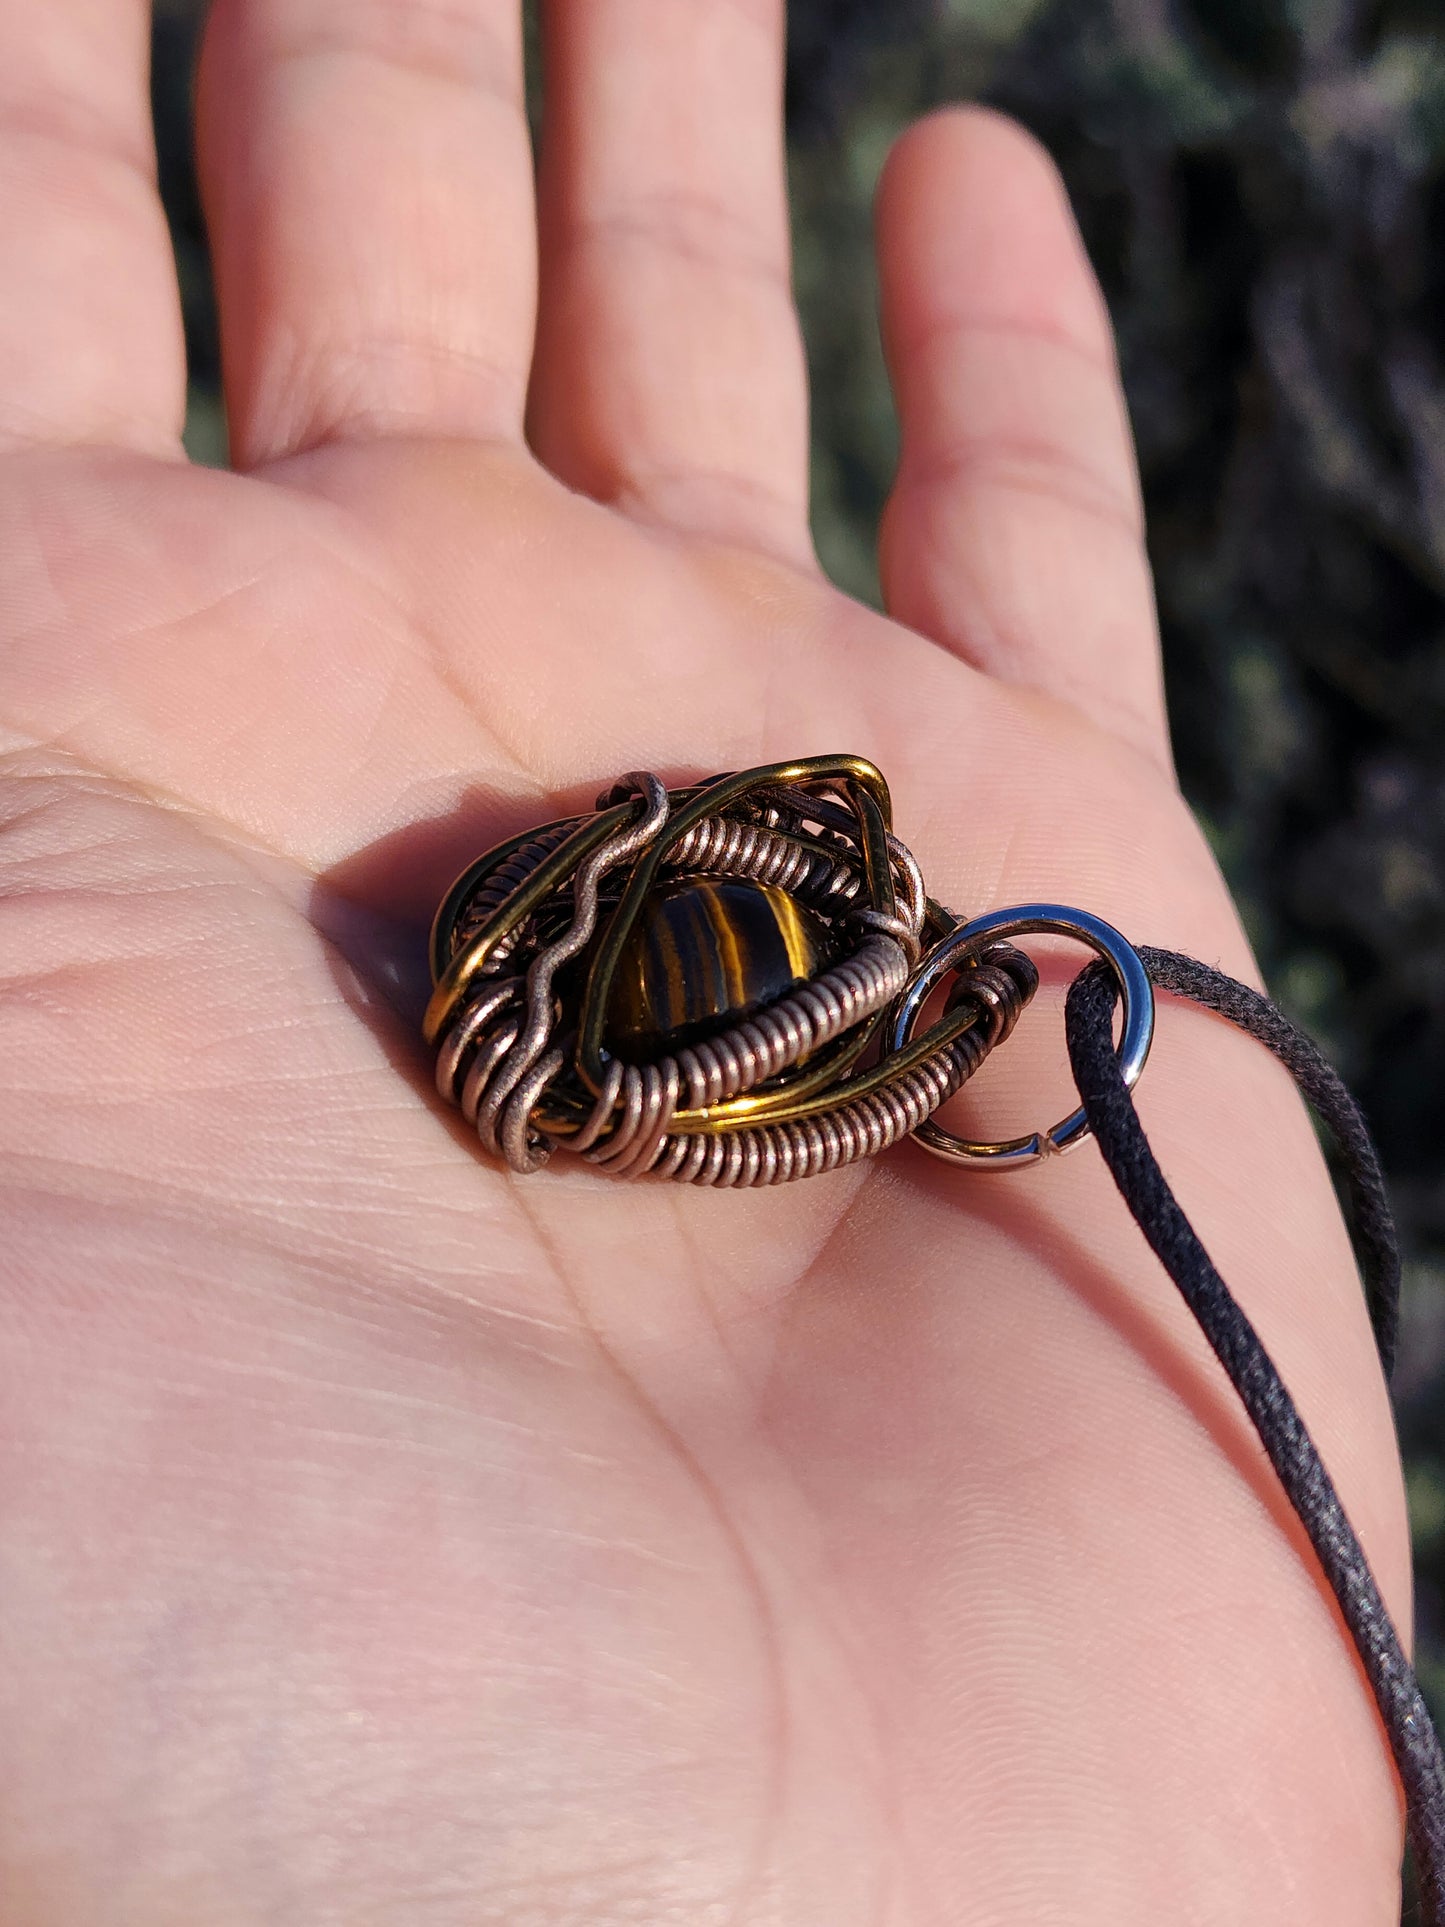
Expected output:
(707, 799)
(469, 882)
(877, 865)
(753, 1106)
(867, 817)
(946, 1031)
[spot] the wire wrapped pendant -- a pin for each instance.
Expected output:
(695, 983)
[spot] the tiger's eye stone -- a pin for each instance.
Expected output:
(704, 953)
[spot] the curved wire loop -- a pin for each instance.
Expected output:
(971, 940)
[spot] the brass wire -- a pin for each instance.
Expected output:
(527, 941)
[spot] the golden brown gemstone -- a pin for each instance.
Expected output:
(703, 954)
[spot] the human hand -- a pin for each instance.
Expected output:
(383, 1538)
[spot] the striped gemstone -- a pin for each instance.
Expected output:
(704, 953)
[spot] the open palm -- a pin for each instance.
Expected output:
(386, 1539)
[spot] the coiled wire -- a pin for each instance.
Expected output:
(508, 876)
(513, 1065)
(734, 847)
(800, 1022)
(639, 1101)
(500, 1053)
(718, 845)
(763, 1154)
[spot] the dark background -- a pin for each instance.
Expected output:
(1261, 184)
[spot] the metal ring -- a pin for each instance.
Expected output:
(1058, 920)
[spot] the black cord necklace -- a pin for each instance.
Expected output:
(1282, 1432)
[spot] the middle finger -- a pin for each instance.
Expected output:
(670, 375)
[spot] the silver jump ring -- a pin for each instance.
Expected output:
(1057, 920)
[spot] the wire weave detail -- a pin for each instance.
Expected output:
(510, 1046)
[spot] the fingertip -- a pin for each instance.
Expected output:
(970, 200)
(968, 129)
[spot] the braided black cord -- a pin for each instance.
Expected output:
(1372, 1227)
(1282, 1432)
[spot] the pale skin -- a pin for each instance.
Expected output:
(387, 1539)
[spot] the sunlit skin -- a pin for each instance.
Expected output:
(384, 1539)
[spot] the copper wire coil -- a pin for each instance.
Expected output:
(703, 1074)
(806, 1147)
(730, 847)
(718, 845)
(506, 1034)
(795, 1026)
(500, 884)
